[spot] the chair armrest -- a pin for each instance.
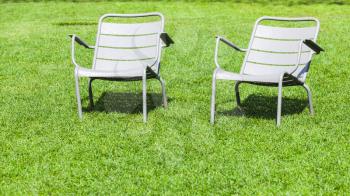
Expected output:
(229, 43)
(166, 39)
(232, 45)
(80, 42)
(313, 46)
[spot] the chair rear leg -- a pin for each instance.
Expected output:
(91, 98)
(77, 93)
(165, 100)
(279, 104)
(309, 96)
(212, 107)
(144, 97)
(238, 98)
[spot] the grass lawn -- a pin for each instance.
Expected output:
(45, 148)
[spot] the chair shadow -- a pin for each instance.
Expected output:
(260, 106)
(130, 103)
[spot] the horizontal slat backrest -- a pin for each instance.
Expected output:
(121, 46)
(285, 33)
(276, 48)
(128, 41)
(130, 29)
(273, 58)
(282, 46)
(126, 54)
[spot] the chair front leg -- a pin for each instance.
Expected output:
(144, 96)
(77, 93)
(279, 101)
(213, 94)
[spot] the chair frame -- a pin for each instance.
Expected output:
(148, 72)
(285, 79)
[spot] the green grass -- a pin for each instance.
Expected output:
(46, 149)
(276, 2)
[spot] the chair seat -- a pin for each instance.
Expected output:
(132, 73)
(226, 75)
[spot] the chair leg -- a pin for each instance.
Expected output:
(77, 93)
(91, 98)
(309, 96)
(213, 94)
(279, 103)
(238, 98)
(144, 97)
(165, 100)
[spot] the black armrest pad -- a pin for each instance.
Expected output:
(230, 44)
(79, 41)
(311, 44)
(166, 39)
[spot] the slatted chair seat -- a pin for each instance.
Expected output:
(133, 73)
(276, 56)
(227, 75)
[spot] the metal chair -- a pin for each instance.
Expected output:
(276, 56)
(124, 52)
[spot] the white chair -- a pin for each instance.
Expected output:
(124, 52)
(276, 56)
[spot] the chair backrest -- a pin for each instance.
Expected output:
(274, 49)
(121, 47)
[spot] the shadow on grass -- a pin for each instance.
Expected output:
(75, 23)
(130, 103)
(259, 106)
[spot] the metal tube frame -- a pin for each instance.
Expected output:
(146, 68)
(280, 83)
